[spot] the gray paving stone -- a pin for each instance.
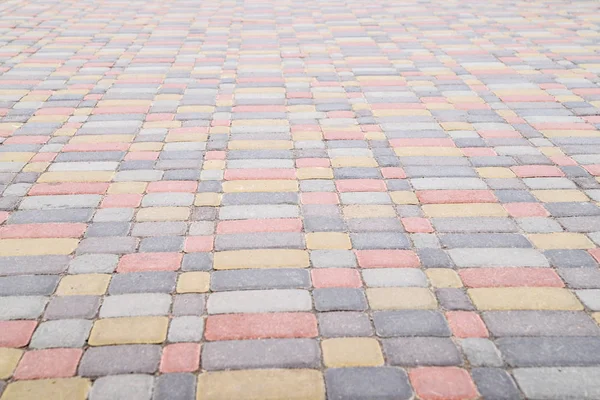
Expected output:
(474, 224)
(188, 304)
(421, 351)
(484, 240)
(540, 323)
(93, 263)
(332, 259)
(28, 285)
(61, 333)
(122, 359)
(22, 307)
(454, 299)
(47, 216)
(539, 225)
(342, 324)
(363, 383)
(498, 257)
(580, 278)
(197, 262)
(186, 329)
(481, 352)
(178, 386)
(162, 244)
(495, 383)
(123, 387)
(143, 282)
(570, 258)
(63, 307)
(29, 265)
(550, 351)
(410, 323)
(339, 299)
(265, 353)
(559, 383)
(572, 209)
(379, 240)
(136, 304)
(434, 258)
(256, 301)
(590, 298)
(286, 278)
(271, 240)
(111, 245)
(394, 277)
(107, 229)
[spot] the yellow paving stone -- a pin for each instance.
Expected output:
(560, 240)
(48, 389)
(260, 145)
(127, 187)
(596, 317)
(464, 210)
(351, 352)
(559, 196)
(368, 211)
(162, 124)
(195, 109)
(261, 384)
(34, 247)
(328, 240)
(207, 199)
(456, 126)
(146, 146)
(128, 330)
(101, 139)
(314, 173)
(428, 152)
(49, 118)
(213, 164)
(193, 282)
(83, 284)
(443, 278)
(399, 112)
(353, 162)
(375, 136)
(163, 214)
(552, 151)
(9, 358)
(36, 167)
(76, 176)
(273, 185)
(495, 172)
(302, 136)
(270, 258)
(404, 197)
(524, 298)
(16, 157)
(401, 298)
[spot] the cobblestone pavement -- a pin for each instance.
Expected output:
(299, 199)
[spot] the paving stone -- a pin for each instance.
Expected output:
(481, 352)
(340, 324)
(136, 304)
(540, 323)
(124, 359)
(61, 333)
(266, 353)
(135, 387)
(76, 307)
(175, 387)
(143, 282)
(288, 278)
(367, 383)
(549, 351)
(339, 299)
(28, 285)
(495, 383)
(559, 383)
(410, 323)
(421, 351)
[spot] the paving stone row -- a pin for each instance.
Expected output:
(299, 199)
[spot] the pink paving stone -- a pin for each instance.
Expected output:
(139, 262)
(417, 225)
(4, 216)
(593, 169)
(312, 162)
(360, 185)
(595, 253)
(387, 259)
(466, 324)
(195, 244)
(510, 277)
(49, 230)
(261, 326)
(250, 174)
(42, 189)
(531, 171)
(319, 198)
(562, 160)
(16, 333)
(160, 117)
(260, 225)
(48, 363)
(126, 200)
(393, 173)
(215, 155)
(142, 155)
(172, 186)
(43, 157)
(335, 277)
(180, 357)
(329, 135)
(456, 196)
(521, 210)
(443, 383)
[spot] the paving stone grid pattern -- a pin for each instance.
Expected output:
(299, 199)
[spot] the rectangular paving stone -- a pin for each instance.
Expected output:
(123, 359)
(540, 323)
(559, 383)
(289, 278)
(410, 323)
(266, 353)
(253, 301)
(497, 257)
(421, 351)
(549, 351)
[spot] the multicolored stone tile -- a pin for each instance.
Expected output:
(319, 199)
